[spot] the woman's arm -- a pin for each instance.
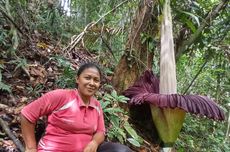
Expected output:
(28, 134)
(98, 138)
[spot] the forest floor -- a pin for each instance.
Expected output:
(30, 72)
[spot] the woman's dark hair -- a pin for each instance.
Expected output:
(88, 65)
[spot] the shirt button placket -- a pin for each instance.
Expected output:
(85, 114)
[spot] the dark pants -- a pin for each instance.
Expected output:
(113, 147)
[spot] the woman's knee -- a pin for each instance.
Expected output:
(113, 147)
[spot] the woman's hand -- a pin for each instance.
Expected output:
(91, 147)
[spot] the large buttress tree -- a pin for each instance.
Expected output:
(137, 57)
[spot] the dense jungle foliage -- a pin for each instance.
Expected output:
(37, 39)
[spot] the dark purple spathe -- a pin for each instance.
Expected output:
(146, 90)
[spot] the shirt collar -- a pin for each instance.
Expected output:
(82, 104)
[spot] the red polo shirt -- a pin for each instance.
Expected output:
(71, 124)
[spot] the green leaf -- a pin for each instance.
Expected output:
(115, 120)
(122, 99)
(134, 142)
(121, 132)
(106, 98)
(191, 25)
(132, 132)
(143, 39)
(114, 94)
(104, 104)
(113, 110)
(0, 75)
(119, 137)
(5, 87)
(192, 15)
(1, 66)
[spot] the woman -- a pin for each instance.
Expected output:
(75, 118)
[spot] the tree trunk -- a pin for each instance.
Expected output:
(137, 57)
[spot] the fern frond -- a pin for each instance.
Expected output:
(5, 87)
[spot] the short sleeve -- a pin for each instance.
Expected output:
(101, 122)
(44, 105)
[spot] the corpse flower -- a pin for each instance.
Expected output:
(146, 90)
(168, 108)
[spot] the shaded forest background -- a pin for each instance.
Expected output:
(42, 43)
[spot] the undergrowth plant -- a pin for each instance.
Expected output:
(36, 90)
(116, 119)
(3, 86)
(67, 79)
(200, 134)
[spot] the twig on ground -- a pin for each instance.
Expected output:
(11, 135)
(3, 106)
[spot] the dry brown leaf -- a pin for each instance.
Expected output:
(38, 71)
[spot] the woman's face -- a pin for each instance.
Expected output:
(88, 82)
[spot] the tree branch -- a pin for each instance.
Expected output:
(212, 14)
(109, 48)
(11, 135)
(197, 74)
(78, 38)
